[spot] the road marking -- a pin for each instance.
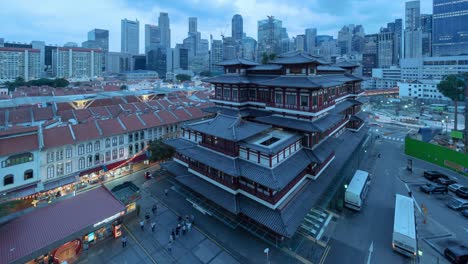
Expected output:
(371, 249)
(139, 244)
(325, 254)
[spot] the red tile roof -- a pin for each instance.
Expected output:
(2, 118)
(110, 127)
(19, 116)
(130, 107)
(17, 130)
(64, 106)
(31, 232)
(100, 111)
(182, 114)
(57, 136)
(111, 88)
(164, 103)
(86, 131)
(45, 113)
(151, 120)
(131, 99)
(66, 115)
(18, 144)
(82, 114)
(154, 104)
(115, 110)
(132, 123)
(196, 112)
(167, 117)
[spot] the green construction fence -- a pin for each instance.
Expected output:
(438, 155)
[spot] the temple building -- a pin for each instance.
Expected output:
(264, 154)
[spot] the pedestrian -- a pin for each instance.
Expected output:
(124, 241)
(166, 191)
(169, 247)
(142, 225)
(177, 233)
(179, 219)
(378, 155)
(184, 229)
(147, 216)
(192, 219)
(153, 225)
(173, 234)
(410, 194)
(171, 238)
(189, 226)
(154, 209)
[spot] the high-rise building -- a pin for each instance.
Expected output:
(385, 49)
(369, 56)
(40, 45)
(130, 36)
(270, 34)
(426, 28)
(19, 62)
(216, 55)
(345, 37)
(152, 37)
(117, 62)
(398, 30)
(164, 26)
(249, 48)
(237, 27)
(101, 37)
(181, 57)
(449, 29)
(71, 45)
(229, 48)
(310, 35)
(193, 25)
(77, 62)
(413, 33)
(156, 60)
(2, 42)
(300, 42)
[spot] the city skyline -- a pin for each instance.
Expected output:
(33, 23)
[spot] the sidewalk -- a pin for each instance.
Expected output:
(148, 247)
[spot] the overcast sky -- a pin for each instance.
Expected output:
(61, 21)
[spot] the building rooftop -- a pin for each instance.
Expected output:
(237, 61)
(298, 57)
(232, 128)
(272, 141)
(25, 235)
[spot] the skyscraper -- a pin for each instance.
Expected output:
(385, 40)
(269, 36)
(413, 33)
(300, 42)
(130, 36)
(345, 37)
(369, 56)
(310, 35)
(249, 48)
(216, 55)
(193, 25)
(426, 28)
(100, 37)
(449, 29)
(398, 30)
(237, 27)
(152, 37)
(163, 23)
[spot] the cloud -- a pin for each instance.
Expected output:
(61, 21)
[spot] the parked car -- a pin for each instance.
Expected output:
(454, 187)
(444, 181)
(465, 213)
(433, 188)
(434, 175)
(462, 192)
(457, 254)
(457, 204)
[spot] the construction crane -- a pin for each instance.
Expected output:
(224, 31)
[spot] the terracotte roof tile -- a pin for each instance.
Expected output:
(45, 113)
(110, 127)
(57, 136)
(86, 131)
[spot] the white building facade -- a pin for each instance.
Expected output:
(422, 89)
(432, 67)
(20, 62)
(77, 63)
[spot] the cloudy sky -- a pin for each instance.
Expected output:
(61, 21)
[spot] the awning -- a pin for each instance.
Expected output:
(59, 182)
(21, 191)
(86, 172)
(114, 165)
(44, 229)
(139, 158)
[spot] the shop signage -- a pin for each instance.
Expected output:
(109, 219)
(91, 237)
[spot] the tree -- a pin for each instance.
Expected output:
(61, 82)
(123, 87)
(160, 151)
(268, 57)
(183, 77)
(206, 74)
(452, 86)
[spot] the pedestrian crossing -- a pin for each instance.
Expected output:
(400, 139)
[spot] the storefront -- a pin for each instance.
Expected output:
(60, 231)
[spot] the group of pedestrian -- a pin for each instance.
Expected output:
(152, 224)
(184, 225)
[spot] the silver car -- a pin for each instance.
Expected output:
(454, 187)
(458, 204)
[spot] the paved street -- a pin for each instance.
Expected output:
(356, 231)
